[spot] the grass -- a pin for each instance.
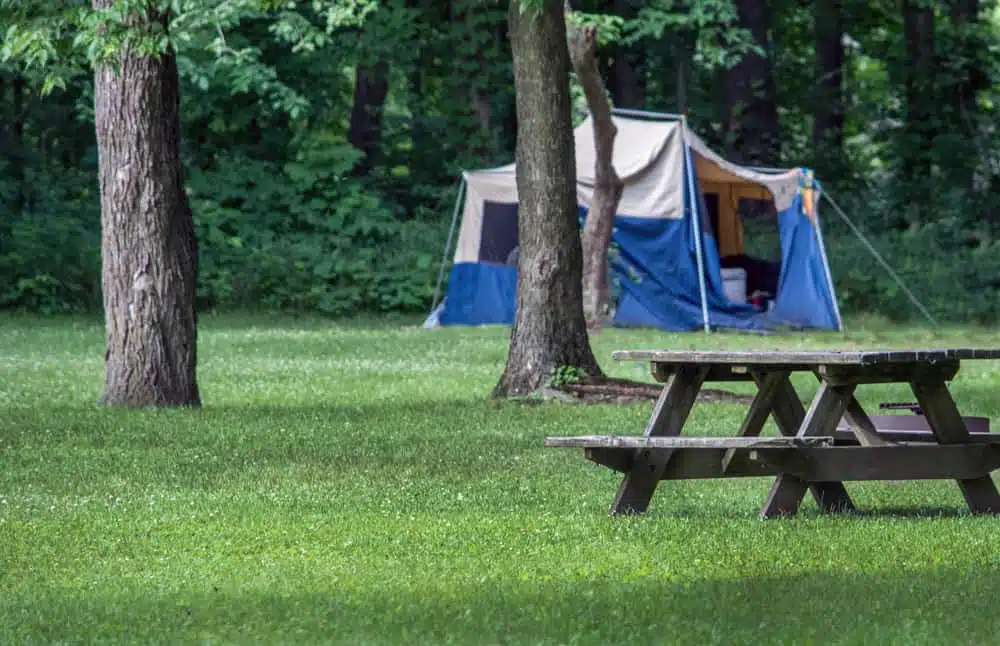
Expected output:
(351, 484)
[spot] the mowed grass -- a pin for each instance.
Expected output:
(350, 483)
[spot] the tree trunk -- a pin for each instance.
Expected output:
(148, 247)
(828, 124)
(973, 78)
(19, 158)
(608, 186)
(752, 124)
(919, 128)
(549, 331)
(626, 83)
(371, 87)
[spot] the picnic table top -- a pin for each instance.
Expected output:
(807, 357)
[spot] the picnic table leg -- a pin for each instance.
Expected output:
(669, 414)
(948, 427)
(822, 418)
(769, 385)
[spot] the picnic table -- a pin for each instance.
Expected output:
(819, 449)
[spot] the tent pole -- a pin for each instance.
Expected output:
(881, 261)
(447, 245)
(826, 266)
(689, 160)
(665, 116)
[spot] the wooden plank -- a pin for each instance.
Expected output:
(768, 386)
(862, 425)
(843, 435)
(807, 357)
(788, 490)
(716, 373)
(669, 415)
(789, 415)
(949, 428)
(887, 373)
(843, 463)
(891, 423)
(685, 442)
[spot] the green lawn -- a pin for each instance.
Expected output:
(352, 484)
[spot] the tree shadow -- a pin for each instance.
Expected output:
(911, 606)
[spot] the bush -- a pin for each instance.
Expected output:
(307, 237)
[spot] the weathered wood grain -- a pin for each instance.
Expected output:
(946, 422)
(805, 358)
(820, 420)
(668, 418)
(685, 442)
(842, 463)
(891, 423)
(846, 436)
(768, 387)
(863, 427)
(789, 415)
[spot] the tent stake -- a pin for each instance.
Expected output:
(447, 245)
(881, 261)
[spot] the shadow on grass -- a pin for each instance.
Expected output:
(903, 607)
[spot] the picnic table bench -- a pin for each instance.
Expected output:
(832, 442)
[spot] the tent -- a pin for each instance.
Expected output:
(679, 237)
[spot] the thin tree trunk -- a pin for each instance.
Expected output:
(599, 224)
(19, 158)
(919, 127)
(964, 17)
(549, 331)
(371, 88)
(752, 124)
(149, 252)
(626, 83)
(828, 124)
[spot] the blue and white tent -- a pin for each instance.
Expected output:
(680, 220)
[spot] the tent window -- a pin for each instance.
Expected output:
(499, 235)
(760, 224)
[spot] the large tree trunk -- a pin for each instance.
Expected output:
(752, 124)
(371, 88)
(148, 247)
(828, 124)
(598, 226)
(549, 332)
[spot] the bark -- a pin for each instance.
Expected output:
(371, 87)
(549, 328)
(752, 126)
(626, 82)
(19, 158)
(608, 186)
(148, 247)
(828, 124)
(964, 18)
(920, 130)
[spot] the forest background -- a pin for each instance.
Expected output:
(322, 164)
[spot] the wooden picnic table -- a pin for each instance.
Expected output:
(813, 454)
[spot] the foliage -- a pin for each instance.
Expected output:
(565, 375)
(300, 503)
(304, 236)
(269, 89)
